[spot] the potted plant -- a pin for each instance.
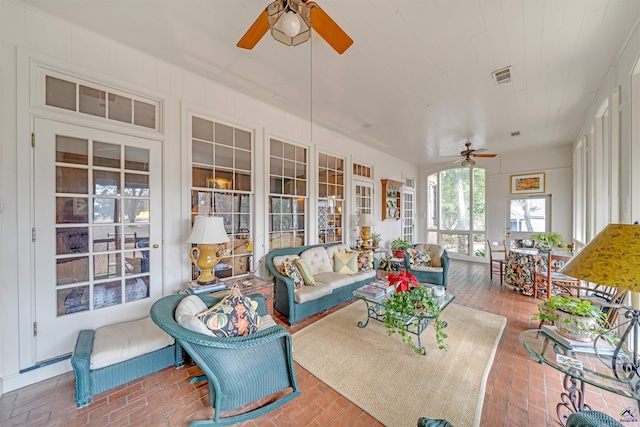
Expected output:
(385, 266)
(400, 309)
(573, 317)
(548, 240)
(398, 246)
(375, 239)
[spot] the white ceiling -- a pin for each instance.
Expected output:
(419, 71)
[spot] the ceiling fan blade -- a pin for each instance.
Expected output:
(480, 150)
(328, 29)
(458, 161)
(255, 32)
(484, 155)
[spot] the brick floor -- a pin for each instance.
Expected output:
(519, 391)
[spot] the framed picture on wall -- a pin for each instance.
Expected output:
(528, 184)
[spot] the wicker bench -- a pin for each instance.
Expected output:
(116, 354)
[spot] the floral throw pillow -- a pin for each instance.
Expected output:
(419, 258)
(289, 269)
(235, 315)
(365, 260)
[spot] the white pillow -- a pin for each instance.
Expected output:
(186, 313)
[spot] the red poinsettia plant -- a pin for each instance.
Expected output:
(403, 281)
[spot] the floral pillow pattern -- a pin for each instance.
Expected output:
(419, 258)
(289, 269)
(235, 315)
(365, 260)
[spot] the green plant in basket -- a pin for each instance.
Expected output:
(375, 239)
(400, 244)
(549, 240)
(400, 309)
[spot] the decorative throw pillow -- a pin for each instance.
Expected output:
(345, 263)
(421, 259)
(233, 316)
(289, 269)
(365, 260)
(305, 272)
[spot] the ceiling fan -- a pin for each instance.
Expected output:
(290, 22)
(468, 153)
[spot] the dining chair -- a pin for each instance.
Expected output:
(497, 258)
(546, 273)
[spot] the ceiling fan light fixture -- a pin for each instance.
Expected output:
(467, 163)
(290, 22)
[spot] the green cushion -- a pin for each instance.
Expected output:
(345, 263)
(305, 272)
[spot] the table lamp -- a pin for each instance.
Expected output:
(208, 232)
(365, 223)
(612, 258)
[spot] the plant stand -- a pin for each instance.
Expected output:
(416, 325)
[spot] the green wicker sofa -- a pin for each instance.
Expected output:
(90, 381)
(240, 370)
(331, 288)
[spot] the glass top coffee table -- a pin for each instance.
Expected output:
(376, 309)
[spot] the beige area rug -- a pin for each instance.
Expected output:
(384, 377)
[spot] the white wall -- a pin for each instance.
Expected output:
(25, 32)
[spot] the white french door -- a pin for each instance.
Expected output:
(97, 230)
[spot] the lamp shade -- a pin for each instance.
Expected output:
(366, 220)
(612, 258)
(208, 230)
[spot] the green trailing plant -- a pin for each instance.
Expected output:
(401, 307)
(571, 305)
(550, 240)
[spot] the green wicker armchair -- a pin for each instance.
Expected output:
(591, 419)
(239, 370)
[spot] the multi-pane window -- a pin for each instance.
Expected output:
(456, 210)
(330, 198)
(408, 215)
(287, 194)
(97, 102)
(221, 185)
(364, 199)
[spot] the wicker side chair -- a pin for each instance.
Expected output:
(239, 370)
(591, 419)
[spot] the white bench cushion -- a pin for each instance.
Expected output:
(123, 341)
(317, 260)
(334, 280)
(309, 293)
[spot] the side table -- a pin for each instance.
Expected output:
(249, 285)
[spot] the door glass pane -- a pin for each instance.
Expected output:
(136, 210)
(73, 300)
(479, 209)
(137, 288)
(72, 150)
(224, 134)
(72, 270)
(106, 294)
(72, 210)
(107, 155)
(106, 183)
(528, 215)
(106, 265)
(243, 139)
(106, 210)
(72, 240)
(71, 180)
(136, 159)
(106, 238)
(136, 185)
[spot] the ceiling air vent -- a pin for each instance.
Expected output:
(502, 76)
